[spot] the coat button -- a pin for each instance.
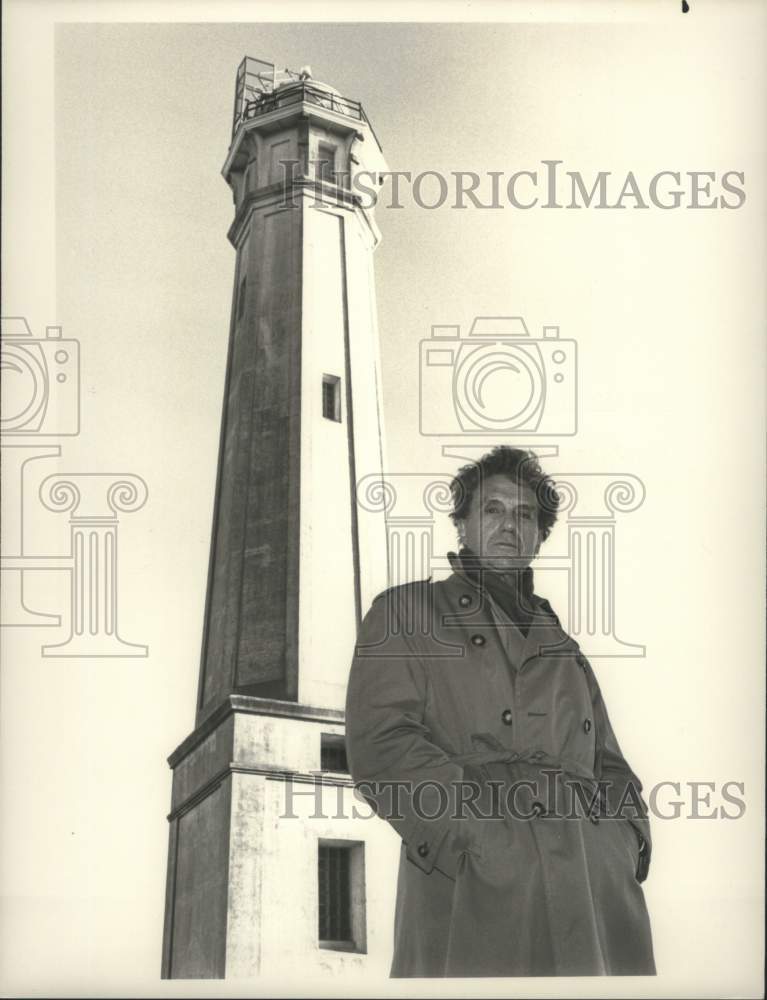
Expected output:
(594, 819)
(538, 809)
(587, 725)
(478, 640)
(464, 600)
(506, 717)
(581, 661)
(423, 849)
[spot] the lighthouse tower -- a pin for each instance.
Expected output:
(272, 860)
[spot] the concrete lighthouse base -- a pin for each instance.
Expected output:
(253, 815)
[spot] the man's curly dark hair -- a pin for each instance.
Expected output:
(521, 467)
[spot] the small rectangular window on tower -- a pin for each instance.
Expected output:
(341, 898)
(326, 163)
(333, 753)
(331, 397)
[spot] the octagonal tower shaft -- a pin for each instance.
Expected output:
(295, 559)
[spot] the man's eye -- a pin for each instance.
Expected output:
(493, 508)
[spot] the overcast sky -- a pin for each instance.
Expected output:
(667, 310)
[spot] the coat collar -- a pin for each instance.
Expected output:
(517, 594)
(474, 607)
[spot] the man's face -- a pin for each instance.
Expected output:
(502, 524)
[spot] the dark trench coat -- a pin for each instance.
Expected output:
(443, 689)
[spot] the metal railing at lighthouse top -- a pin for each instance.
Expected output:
(256, 93)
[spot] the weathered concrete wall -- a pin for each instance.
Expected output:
(329, 570)
(197, 946)
(291, 875)
(243, 865)
(201, 764)
(252, 622)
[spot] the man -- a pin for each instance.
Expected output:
(476, 727)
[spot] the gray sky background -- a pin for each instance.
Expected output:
(668, 312)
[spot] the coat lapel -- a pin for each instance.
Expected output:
(545, 637)
(472, 609)
(469, 617)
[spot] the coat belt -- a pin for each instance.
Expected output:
(497, 753)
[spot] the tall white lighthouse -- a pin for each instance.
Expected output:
(271, 858)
